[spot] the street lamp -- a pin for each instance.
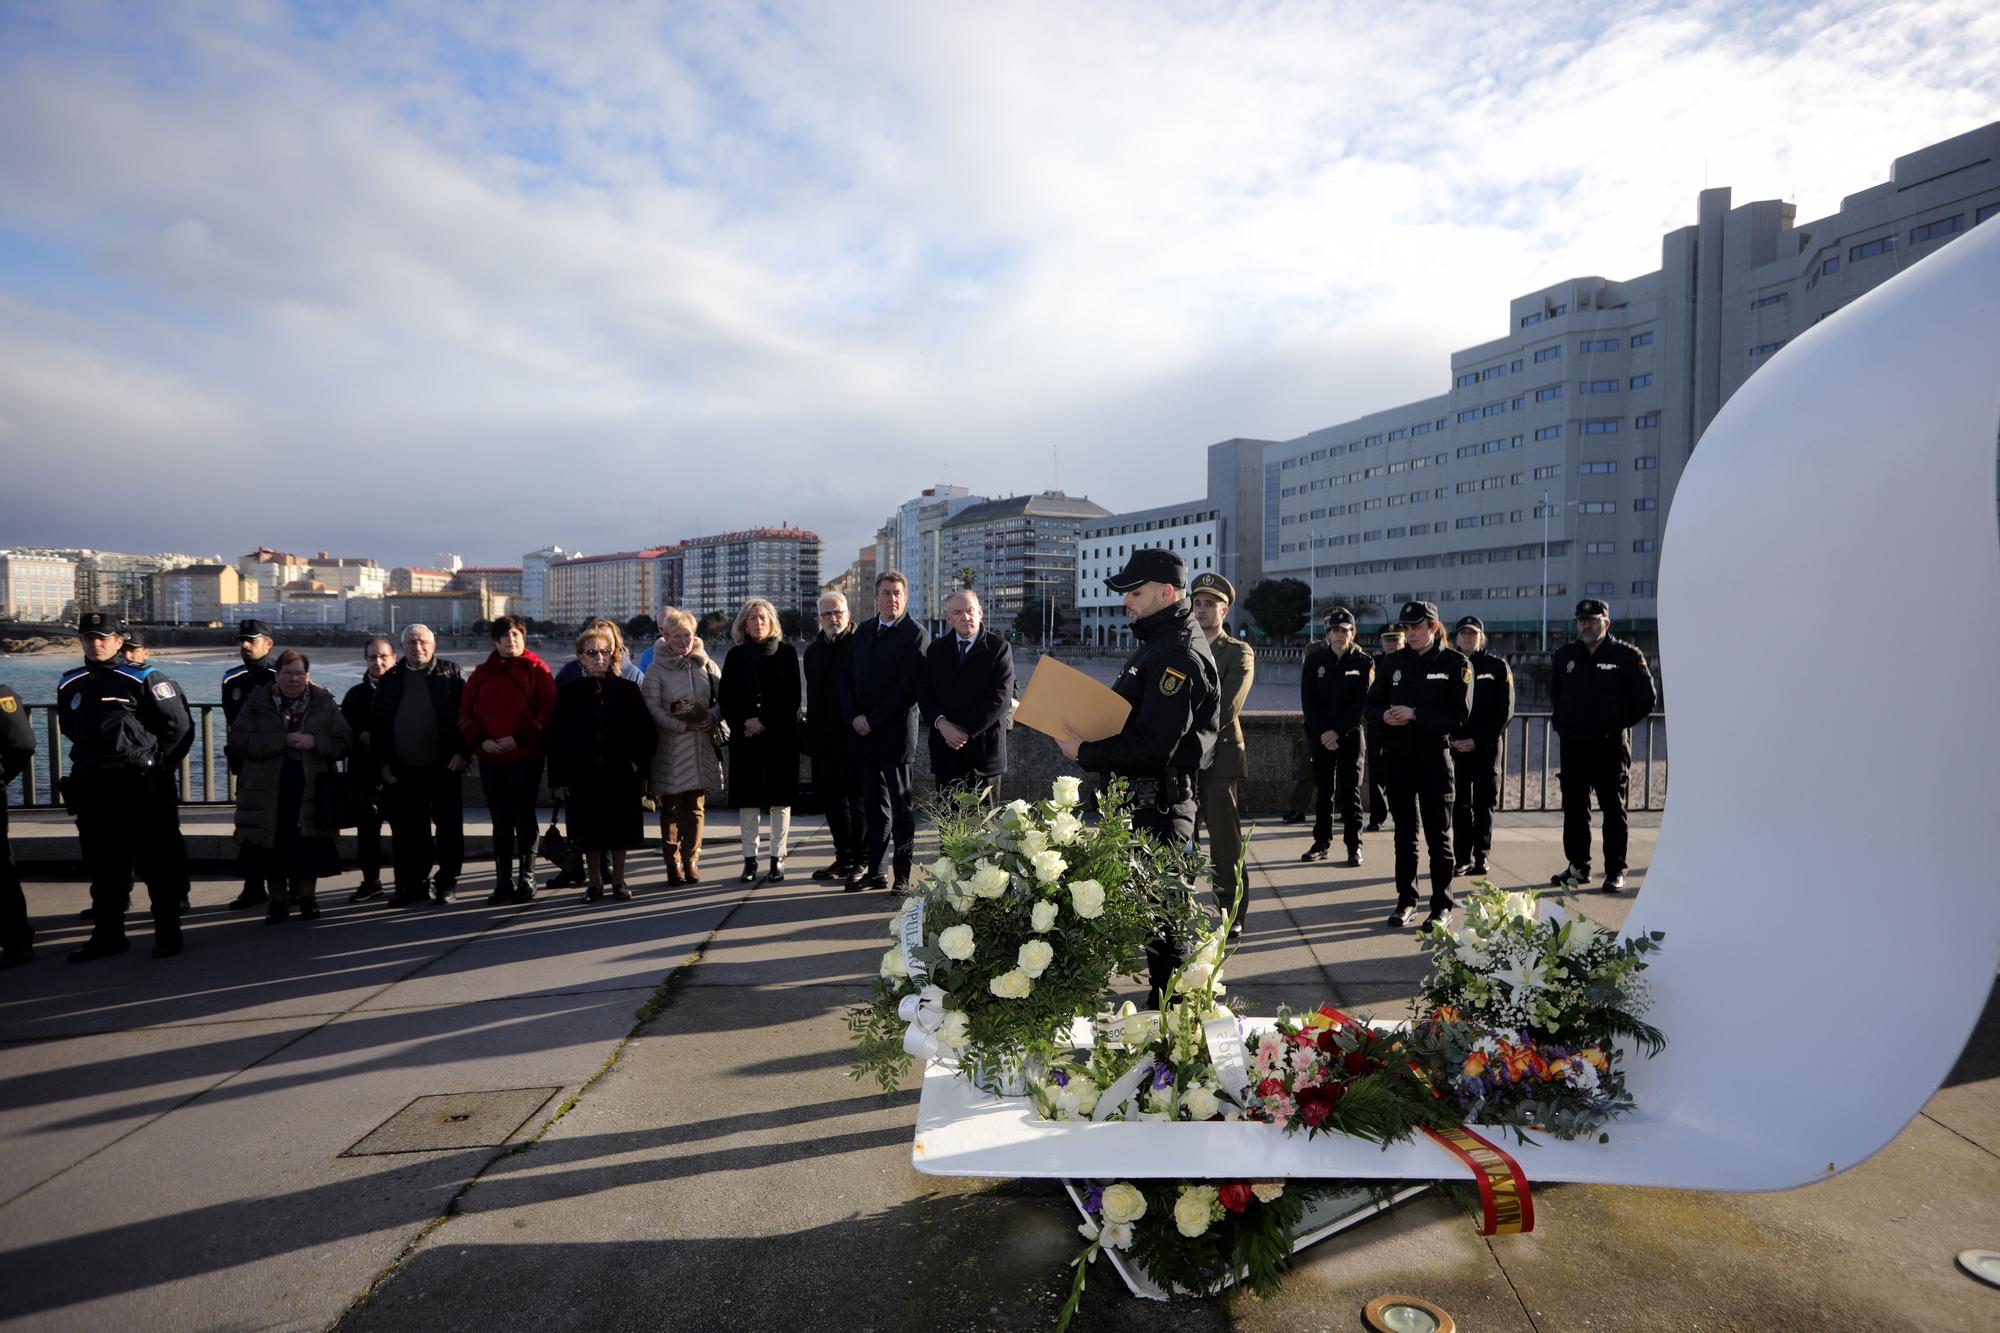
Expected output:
(1547, 509)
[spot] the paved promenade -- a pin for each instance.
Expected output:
(194, 1144)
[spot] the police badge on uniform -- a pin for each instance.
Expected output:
(1322, 672)
(1171, 681)
(1397, 677)
(1569, 666)
(163, 689)
(9, 703)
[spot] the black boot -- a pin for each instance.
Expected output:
(253, 893)
(749, 875)
(777, 875)
(503, 884)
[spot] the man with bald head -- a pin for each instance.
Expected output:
(965, 698)
(415, 738)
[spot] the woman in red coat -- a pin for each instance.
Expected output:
(504, 712)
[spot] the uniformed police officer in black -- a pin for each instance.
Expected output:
(1421, 696)
(1390, 641)
(1333, 690)
(17, 750)
(1171, 682)
(1475, 759)
(1599, 689)
(255, 672)
(127, 728)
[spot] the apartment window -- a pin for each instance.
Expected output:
(1373, 535)
(1599, 589)
(1469, 377)
(1642, 587)
(1520, 403)
(1318, 454)
(1515, 365)
(1597, 507)
(1930, 231)
(1398, 532)
(1600, 428)
(1597, 386)
(1528, 321)
(1373, 440)
(1645, 463)
(1765, 349)
(1399, 435)
(1596, 469)
(1543, 395)
(1646, 421)
(1832, 265)
(1548, 353)
(1772, 299)
(1549, 433)
(1549, 470)
(1985, 211)
(1598, 345)
(1645, 504)
(1643, 339)
(1881, 245)
(1421, 428)
(1640, 381)
(1442, 423)
(1600, 548)
(1644, 545)
(1492, 372)
(1468, 450)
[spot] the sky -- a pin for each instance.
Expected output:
(406, 279)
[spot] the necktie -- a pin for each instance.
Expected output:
(964, 647)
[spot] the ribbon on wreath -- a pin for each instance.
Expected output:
(924, 1012)
(1507, 1207)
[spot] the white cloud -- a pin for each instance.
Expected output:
(628, 272)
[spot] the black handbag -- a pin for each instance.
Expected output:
(555, 847)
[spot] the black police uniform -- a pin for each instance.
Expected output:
(128, 728)
(1171, 682)
(17, 749)
(1597, 698)
(1333, 690)
(1417, 760)
(238, 684)
(1378, 800)
(1476, 773)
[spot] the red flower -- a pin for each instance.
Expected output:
(1358, 1064)
(1235, 1196)
(1270, 1087)
(1327, 1044)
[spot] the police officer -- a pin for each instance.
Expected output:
(1599, 688)
(1389, 641)
(1171, 682)
(1221, 811)
(255, 672)
(1422, 696)
(134, 653)
(128, 728)
(17, 748)
(1333, 690)
(1475, 759)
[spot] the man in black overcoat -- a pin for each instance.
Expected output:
(878, 697)
(829, 738)
(964, 699)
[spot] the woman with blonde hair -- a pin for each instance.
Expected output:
(682, 689)
(760, 701)
(600, 746)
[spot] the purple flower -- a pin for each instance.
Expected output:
(1062, 1078)
(1163, 1077)
(1093, 1200)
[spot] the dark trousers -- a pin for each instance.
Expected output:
(837, 781)
(1419, 789)
(1170, 826)
(1600, 765)
(1378, 767)
(1476, 795)
(368, 833)
(1222, 818)
(423, 796)
(510, 798)
(15, 932)
(1337, 779)
(889, 814)
(127, 820)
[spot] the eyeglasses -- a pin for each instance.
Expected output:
(831, 615)
(597, 652)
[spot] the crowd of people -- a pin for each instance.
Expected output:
(1419, 725)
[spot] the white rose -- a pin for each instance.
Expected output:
(1033, 843)
(1043, 916)
(1086, 896)
(944, 870)
(1192, 1210)
(956, 898)
(1085, 1092)
(1017, 811)
(1122, 1204)
(1065, 829)
(892, 964)
(1583, 933)
(1200, 1101)
(1013, 985)
(956, 942)
(989, 880)
(1066, 792)
(1035, 956)
(951, 1032)
(1049, 867)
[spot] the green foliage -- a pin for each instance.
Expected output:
(640, 630)
(1281, 606)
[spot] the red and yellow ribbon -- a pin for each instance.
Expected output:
(1508, 1208)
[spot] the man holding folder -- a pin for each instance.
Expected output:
(1171, 683)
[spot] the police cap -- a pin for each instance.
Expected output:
(1215, 586)
(1469, 622)
(1392, 630)
(1149, 564)
(1340, 615)
(1416, 611)
(1590, 606)
(132, 639)
(253, 629)
(99, 624)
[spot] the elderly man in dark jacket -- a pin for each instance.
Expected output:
(964, 698)
(364, 773)
(828, 739)
(414, 737)
(878, 697)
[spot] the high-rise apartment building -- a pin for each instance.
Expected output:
(1017, 550)
(617, 586)
(201, 594)
(721, 572)
(37, 586)
(911, 542)
(534, 578)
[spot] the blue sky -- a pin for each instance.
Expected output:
(407, 279)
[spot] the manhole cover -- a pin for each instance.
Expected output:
(454, 1120)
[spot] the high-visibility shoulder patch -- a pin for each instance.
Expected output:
(1171, 681)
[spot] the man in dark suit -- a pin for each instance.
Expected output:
(878, 697)
(964, 698)
(830, 739)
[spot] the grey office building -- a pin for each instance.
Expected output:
(1565, 437)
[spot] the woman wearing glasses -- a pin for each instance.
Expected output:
(600, 746)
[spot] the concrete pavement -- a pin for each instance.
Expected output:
(172, 1136)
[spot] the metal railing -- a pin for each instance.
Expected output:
(1528, 764)
(203, 778)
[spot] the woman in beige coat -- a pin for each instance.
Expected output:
(680, 689)
(287, 740)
